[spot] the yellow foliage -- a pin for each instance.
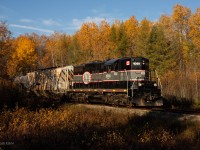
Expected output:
(131, 26)
(131, 29)
(94, 41)
(180, 17)
(194, 23)
(104, 43)
(24, 56)
(166, 23)
(25, 49)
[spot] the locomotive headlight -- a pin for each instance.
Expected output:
(143, 73)
(155, 84)
(139, 84)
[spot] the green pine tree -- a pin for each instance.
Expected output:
(159, 50)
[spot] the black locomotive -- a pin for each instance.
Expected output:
(123, 81)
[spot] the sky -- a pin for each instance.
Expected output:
(67, 16)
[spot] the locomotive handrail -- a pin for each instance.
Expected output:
(159, 82)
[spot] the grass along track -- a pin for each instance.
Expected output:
(86, 126)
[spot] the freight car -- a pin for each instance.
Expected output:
(122, 81)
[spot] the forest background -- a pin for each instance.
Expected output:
(172, 43)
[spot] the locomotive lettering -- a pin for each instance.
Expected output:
(136, 63)
(86, 78)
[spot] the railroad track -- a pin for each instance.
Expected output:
(178, 111)
(183, 115)
(158, 109)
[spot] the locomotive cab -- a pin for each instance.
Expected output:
(142, 66)
(146, 88)
(134, 69)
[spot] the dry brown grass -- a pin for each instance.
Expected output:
(75, 127)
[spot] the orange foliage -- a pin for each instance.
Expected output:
(23, 58)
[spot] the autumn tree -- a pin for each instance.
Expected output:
(122, 41)
(180, 19)
(194, 33)
(194, 65)
(57, 50)
(5, 47)
(119, 39)
(131, 27)
(166, 23)
(76, 55)
(40, 48)
(63, 49)
(104, 41)
(87, 36)
(94, 39)
(144, 30)
(24, 57)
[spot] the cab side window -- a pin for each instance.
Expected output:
(116, 66)
(108, 68)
